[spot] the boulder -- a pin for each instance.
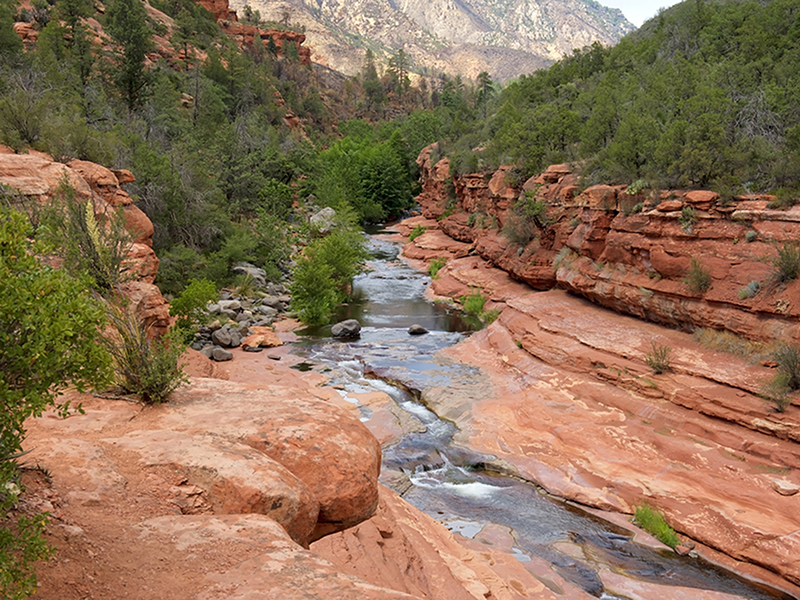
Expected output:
(784, 487)
(349, 329)
(258, 275)
(324, 220)
(417, 330)
(220, 354)
(261, 337)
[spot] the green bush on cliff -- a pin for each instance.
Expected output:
(48, 341)
(653, 522)
(418, 231)
(787, 262)
(659, 358)
(698, 278)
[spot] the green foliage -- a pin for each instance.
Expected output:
(10, 44)
(416, 232)
(653, 522)
(190, 305)
(127, 26)
(323, 276)
(777, 391)
(48, 331)
(751, 236)
(96, 247)
(147, 367)
(787, 262)
(435, 266)
(473, 303)
(687, 219)
(726, 341)
(788, 358)
(750, 290)
(659, 358)
(698, 278)
(527, 217)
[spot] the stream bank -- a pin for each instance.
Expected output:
(579, 551)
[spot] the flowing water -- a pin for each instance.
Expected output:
(449, 482)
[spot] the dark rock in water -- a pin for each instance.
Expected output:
(417, 330)
(253, 349)
(220, 354)
(349, 329)
(274, 356)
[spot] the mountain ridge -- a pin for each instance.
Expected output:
(507, 38)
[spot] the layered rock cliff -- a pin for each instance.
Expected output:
(632, 252)
(38, 178)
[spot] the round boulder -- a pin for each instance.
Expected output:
(417, 330)
(349, 329)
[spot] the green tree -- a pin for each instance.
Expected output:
(486, 91)
(370, 81)
(10, 44)
(127, 25)
(48, 341)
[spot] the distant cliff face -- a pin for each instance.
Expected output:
(504, 37)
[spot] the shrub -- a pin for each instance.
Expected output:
(659, 358)
(726, 341)
(190, 305)
(698, 279)
(473, 303)
(653, 522)
(87, 244)
(788, 358)
(750, 290)
(751, 236)
(418, 231)
(787, 263)
(525, 219)
(145, 367)
(564, 257)
(778, 392)
(435, 265)
(687, 219)
(48, 333)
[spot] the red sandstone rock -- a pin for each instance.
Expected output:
(261, 337)
(670, 206)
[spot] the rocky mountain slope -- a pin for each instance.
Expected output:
(504, 37)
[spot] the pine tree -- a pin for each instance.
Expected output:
(10, 44)
(127, 25)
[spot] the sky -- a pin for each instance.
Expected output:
(639, 11)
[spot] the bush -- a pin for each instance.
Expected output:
(525, 219)
(87, 244)
(145, 367)
(418, 231)
(788, 358)
(750, 290)
(653, 522)
(659, 358)
(787, 263)
(473, 303)
(778, 392)
(751, 236)
(190, 306)
(687, 219)
(48, 341)
(726, 341)
(698, 279)
(435, 266)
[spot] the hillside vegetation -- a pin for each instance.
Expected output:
(704, 95)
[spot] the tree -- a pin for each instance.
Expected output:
(370, 81)
(398, 68)
(127, 25)
(48, 340)
(485, 90)
(10, 44)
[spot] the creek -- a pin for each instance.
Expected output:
(452, 483)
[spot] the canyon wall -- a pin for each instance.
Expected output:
(632, 252)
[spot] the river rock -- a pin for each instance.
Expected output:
(261, 337)
(258, 275)
(220, 354)
(234, 305)
(324, 220)
(784, 487)
(272, 302)
(349, 329)
(417, 330)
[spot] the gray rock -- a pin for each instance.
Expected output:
(214, 325)
(271, 302)
(222, 337)
(268, 311)
(236, 339)
(226, 305)
(259, 276)
(212, 309)
(207, 350)
(231, 314)
(349, 329)
(417, 330)
(220, 354)
(274, 356)
(253, 349)
(324, 220)
(285, 299)
(243, 316)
